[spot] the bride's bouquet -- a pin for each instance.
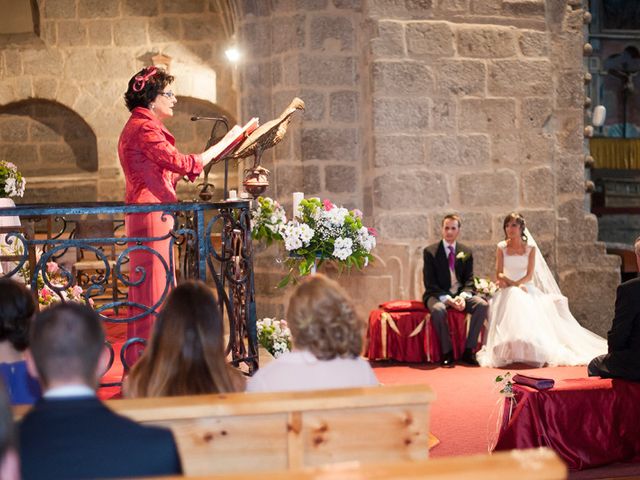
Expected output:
(485, 287)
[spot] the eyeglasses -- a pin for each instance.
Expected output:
(169, 94)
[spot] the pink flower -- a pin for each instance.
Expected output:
(77, 291)
(45, 293)
(328, 205)
(373, 231)
(52, 267)
(91, 301)
(357, 213)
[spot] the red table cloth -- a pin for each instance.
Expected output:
(409, 336)
(588, 422)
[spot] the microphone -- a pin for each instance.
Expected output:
(196, 118)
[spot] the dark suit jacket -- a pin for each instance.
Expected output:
(81, 438)
(623, 360)
(437, 279)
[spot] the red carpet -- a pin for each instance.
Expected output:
(464, 413)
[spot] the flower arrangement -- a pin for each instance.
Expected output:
(485, 287)
(56, 291)
(267, 219)
(322, 231)
(274, 335)
(12, 182)
(58, 285)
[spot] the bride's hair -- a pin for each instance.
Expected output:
(519, 219)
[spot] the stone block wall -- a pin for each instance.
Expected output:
(80, 64)
(417, 108)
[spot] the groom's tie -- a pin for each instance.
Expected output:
(452, 258)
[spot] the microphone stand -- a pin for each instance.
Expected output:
(212, 140)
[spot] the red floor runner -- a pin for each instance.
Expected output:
(463, 415)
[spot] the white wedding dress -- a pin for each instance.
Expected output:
(535, 327)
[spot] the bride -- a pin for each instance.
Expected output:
(529, 318)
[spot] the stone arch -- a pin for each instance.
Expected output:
(46, 138)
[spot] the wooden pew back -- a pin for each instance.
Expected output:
(262, 432)
(533, 464)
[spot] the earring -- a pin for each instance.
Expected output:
(153, 106)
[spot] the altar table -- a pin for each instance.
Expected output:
(588, 422)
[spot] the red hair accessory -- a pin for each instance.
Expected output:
(141, 80)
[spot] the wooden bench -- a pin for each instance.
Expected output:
(534, 464)
(262, 432)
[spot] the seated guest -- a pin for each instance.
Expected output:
(623, 359)
(69, 433)
(9, 463)
(327, 336)
(186, 353)
(17, 308)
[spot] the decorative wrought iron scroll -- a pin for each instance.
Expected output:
(211, 241)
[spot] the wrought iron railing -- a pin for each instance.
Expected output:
(192, 254)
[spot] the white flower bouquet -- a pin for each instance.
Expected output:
(323, 232)
(12, 182)
(485, 287)
(274, 335)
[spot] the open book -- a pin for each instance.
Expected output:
(233, 138)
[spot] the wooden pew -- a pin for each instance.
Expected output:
(262, 432)
(533, 464)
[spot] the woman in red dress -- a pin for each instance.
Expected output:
(152, 167)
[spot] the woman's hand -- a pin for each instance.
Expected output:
(523, 288)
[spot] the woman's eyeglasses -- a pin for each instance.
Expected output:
(169, 94)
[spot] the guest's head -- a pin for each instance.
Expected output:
(514, 226)
(17, 308)
(67, 346)
(185, 355)
(323, 319)
(9, 464)
(451, 224)
(149, 89)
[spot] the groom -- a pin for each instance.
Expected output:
(448, 282)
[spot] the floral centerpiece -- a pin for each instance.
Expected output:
(322, 231)
(274, 335)
(12, 182)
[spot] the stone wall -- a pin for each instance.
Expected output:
(80, 64)
(418, 108)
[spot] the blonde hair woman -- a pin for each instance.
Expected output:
(327, 336)
(185, 355)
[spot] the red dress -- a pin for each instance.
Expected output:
(152, 167)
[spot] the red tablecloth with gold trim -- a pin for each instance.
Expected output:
(409, 336)
(588, 422)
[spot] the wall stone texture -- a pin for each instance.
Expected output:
(461, 106)
(79, 67)
(414, 109)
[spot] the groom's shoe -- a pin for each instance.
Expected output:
(447, 360)
(469, 358)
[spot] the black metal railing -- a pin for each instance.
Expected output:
(208, 241)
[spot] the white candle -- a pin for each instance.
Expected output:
(297, 198)
(233, 195)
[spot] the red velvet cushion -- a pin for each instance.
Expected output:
(403, 306)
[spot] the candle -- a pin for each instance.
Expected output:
(233, 195)
(297, 198)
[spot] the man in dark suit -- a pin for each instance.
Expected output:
(70, 433)
(448, 282)
(623, 359)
